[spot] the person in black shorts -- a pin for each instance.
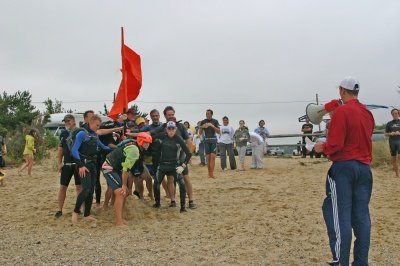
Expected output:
(210, 127)
(166, 149)
(68, 168)
(393, 132)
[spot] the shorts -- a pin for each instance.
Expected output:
(137, 169)
(113, 178)
(210, 146)
(152, 170)
(394, 147)
(67, 171)
(2, 162)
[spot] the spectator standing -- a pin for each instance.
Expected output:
(393, 132)
(226, 144)
(307, 128)
(3, 151)
(241, 137)
(264, 133)
(210, 126)
(257, 145)
(200, 149)
(29, 150)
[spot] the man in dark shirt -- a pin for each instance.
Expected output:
(210, 127)
(307, 128)
(393, 132)
(68, 168)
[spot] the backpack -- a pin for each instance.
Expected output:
(72, 136)
(125, 143)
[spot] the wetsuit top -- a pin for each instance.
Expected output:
(209, 133)
(350, 133)
(123, 159)
(166, 150)
(86, 145)
(147, 155)
(180, 131)
(152, 126)
(63, 144)
(393, 126)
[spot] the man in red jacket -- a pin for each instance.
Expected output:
(349, 180)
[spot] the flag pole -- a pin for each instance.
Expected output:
(124, 79)
(123, 71)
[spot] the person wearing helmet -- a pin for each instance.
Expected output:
(166, 148)
(139, 172)
(116, 170)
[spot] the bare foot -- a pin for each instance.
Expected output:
(74, 218)
(90, 218)
(122, 225)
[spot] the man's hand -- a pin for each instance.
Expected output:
(124, 191)
(180, 169)
(82, 171)
(319, 147)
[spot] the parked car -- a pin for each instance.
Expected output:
(276, 151)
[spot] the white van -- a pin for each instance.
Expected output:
(56, 125)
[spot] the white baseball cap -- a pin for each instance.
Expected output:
(350, 83)
(171, 124)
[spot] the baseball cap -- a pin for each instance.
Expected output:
(68, 117)
(350, 83)
(171, 124)
(140, 120)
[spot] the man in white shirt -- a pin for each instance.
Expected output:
(257, 145)
(226, 144)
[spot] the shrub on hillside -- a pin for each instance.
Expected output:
(380, 153)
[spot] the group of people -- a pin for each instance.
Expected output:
(129, 152)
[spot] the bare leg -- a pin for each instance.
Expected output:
(211, 165)
(149, 184)
(107, 197)
(62, 192)
(30, 164)
(74, 218)
(165, 187)
(119, 206)
(189, 187)
(171, 187)
(395, 166)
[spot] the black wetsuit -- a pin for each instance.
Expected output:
(394, 141)
(84, 151)
(210, 136)
(166, 152)
(69, 167)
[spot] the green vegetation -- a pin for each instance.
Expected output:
(380, 153)
(17, 117)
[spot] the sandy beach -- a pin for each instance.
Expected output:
(268, 216)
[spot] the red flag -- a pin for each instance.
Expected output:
(131, 82)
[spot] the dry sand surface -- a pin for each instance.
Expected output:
(256, 217)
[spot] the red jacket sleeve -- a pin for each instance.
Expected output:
(336, 133)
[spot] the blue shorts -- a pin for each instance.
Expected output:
(113, 178)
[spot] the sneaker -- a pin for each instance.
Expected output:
(58, 214)
(156, 205)
(172, 204)
(224, 169)
(334, 263)
(192, 205)
(183, 209)
(1, 174)
(202, 164)
(253, 167)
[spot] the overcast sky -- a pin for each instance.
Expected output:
(248, 60)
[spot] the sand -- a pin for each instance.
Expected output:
(270, 216)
